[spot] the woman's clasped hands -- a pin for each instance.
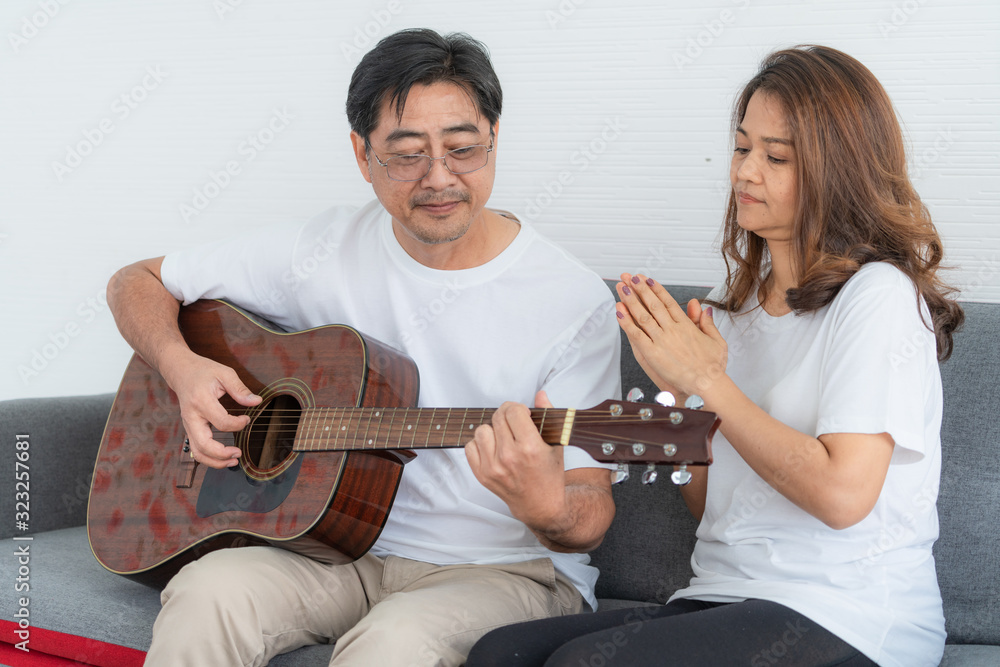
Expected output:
(682, 352)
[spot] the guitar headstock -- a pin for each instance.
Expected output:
(626, 432)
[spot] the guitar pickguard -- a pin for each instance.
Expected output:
(230, 489)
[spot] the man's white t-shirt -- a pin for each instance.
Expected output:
(865, 363)
(532, 318)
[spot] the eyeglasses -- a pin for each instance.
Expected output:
(414, 167)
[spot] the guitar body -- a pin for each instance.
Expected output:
(152, 509)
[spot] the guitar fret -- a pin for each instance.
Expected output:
(378, 429)
(301, 432)
(359, 442)
(388, 428)
(323, 427)
(398, 426)
(320, 426)
(343, 428)
(427, 439)
(399, 440)
(336, 418)
(310, 429)
(359, 436)
(362, 443)
(479, 417)
(346, 428)
(317, 421)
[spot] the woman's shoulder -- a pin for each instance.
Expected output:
(879, 278)
(882, 291)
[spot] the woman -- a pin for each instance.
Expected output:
(821, 358)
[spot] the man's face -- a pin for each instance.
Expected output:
(440, 207)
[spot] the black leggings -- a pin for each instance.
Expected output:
(754, 633)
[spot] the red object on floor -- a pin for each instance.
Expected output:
(48, 648)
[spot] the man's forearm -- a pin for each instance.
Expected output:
(590, 510)
(145, 312)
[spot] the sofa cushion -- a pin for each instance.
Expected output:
(60, 485)
(958, 655)
(72, 594)
(968, 549)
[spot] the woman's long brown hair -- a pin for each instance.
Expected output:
(855, 200)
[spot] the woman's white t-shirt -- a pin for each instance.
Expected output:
(865, 363)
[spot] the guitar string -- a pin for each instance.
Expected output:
(294, 428)
(594, 421)
(580, 415)
(358, 415)
(577, 439)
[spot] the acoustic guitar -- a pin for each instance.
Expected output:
(324, 450)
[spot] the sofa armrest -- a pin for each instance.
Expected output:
(63, 435)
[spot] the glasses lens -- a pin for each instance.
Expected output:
(465, 160)
(459, 161)
(408, 167)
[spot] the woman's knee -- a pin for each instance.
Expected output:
(497, 648)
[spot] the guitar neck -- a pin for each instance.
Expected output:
(349, 429)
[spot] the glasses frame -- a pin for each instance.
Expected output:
(430, 162)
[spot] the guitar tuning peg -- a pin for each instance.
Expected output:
(650, 475)
(681, 476)
(666, 399)
(635, 395)
(620, 475)
(694, 402)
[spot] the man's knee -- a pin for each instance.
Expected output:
(208, 580)
(418, 641)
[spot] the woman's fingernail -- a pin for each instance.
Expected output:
(625, 290)
(619, 314)
(709, 311)
(635, 280)
(650, 281)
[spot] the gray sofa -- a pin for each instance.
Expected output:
(79, 610)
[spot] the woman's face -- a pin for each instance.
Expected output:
(763, 171)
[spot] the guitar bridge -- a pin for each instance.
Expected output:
(186, 465)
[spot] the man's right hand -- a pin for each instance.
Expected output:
(146, 314)
(199, 383)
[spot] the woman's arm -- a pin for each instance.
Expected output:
(695, 491)
(837, 477)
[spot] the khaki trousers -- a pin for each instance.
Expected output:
(243, 606)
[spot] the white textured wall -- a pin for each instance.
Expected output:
(613, 137)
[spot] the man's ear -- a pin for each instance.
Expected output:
(361, 155)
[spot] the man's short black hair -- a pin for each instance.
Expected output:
(420, 56)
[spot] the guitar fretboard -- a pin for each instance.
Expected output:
(345, 429)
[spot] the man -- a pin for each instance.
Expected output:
(486, 308)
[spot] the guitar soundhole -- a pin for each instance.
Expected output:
(272, 433)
